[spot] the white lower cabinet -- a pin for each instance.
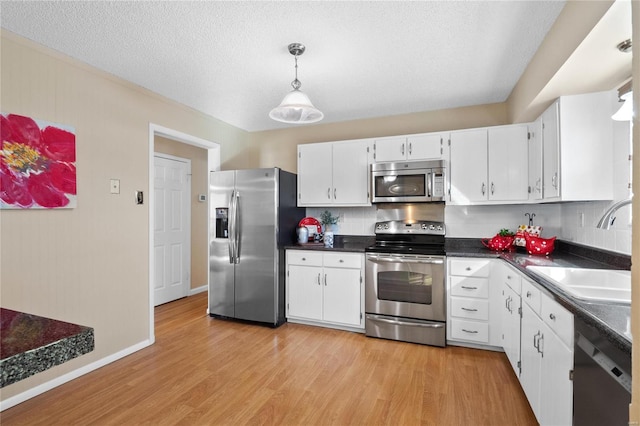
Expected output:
(472, 318)
(325, 288)
(547, 359)
(510, 282)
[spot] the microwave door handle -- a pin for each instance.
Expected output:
(430, 184)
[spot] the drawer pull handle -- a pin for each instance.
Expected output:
(469, 288)
(470, 331)
(528, 294)
(468, 268)
(341, 261)
(469, 310)
(304, 258)
(508, 277)
(552, 317)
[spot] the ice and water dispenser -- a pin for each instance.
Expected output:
(222, 222)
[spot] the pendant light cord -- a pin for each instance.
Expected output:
(296, 83)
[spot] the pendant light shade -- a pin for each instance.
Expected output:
(296, 108)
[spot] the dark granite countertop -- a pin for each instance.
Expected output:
(355, 243)
(31, 344)
(611, 319)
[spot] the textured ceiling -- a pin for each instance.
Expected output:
(363, 59)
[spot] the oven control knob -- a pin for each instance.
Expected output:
(424, 226)
(431, 227)
(439, 228)
(386, 226)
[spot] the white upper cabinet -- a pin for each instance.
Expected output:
(334, 173)
(577, 138)
(468, 166)
(508, 167)
(489, 165)
(428, 146)
(315, 174)
(535, 160)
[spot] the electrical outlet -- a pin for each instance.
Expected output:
(115, 186)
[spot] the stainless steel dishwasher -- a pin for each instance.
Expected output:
(601, 379)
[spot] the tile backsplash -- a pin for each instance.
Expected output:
(575, 222)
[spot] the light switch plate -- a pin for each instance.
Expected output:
(115, 186)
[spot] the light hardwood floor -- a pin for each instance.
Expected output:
(207, 371)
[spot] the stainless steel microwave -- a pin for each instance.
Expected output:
(408, 182)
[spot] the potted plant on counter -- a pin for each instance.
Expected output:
(329, 222)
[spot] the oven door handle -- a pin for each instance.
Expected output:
(404, 322)
(402, 260)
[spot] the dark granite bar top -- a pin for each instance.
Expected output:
(31, 344)
(355, 243)
(611, 319)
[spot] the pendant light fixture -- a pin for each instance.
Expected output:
(296, 107)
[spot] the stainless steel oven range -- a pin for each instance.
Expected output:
(405, 282)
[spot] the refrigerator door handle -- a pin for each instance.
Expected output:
(232, 249)
(236, 220)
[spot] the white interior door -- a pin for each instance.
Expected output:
(172, 232)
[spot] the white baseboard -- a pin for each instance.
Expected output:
(35, 391)
(197, 290)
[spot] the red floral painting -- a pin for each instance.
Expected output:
(37, 164)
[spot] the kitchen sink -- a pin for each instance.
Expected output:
(604, 285)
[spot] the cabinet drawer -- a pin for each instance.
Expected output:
(342, 260)
(470, 330)
(470, 287)
(531, 295)
(470, 267)
(304, 257)
(463, 307)
(513, 279)
(558, 319)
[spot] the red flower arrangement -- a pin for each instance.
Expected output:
(37, 164)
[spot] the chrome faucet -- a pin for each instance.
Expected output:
(608, 218)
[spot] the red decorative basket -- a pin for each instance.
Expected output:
(540, 246)
(498, 243)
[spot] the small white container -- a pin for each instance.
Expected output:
(303, 235)
(328, 239)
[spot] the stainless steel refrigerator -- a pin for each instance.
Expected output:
(253, 216)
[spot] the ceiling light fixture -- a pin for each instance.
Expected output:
(296, 107)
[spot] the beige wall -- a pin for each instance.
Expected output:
(635, 249)
(199, 185)
(574, 23)
(90, 265)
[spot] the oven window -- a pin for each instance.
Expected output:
(405, 286)
(400, 186)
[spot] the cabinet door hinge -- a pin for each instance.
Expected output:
(449, 142)
(528, 135)
(299, 155)
(287, 272)
(520, 311)
(571, 375)
(360, 315)
(299, 196)
(287, 307)
(367, 149)
(519, 367)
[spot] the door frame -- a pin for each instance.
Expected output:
(213, 164)
(187, 208)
